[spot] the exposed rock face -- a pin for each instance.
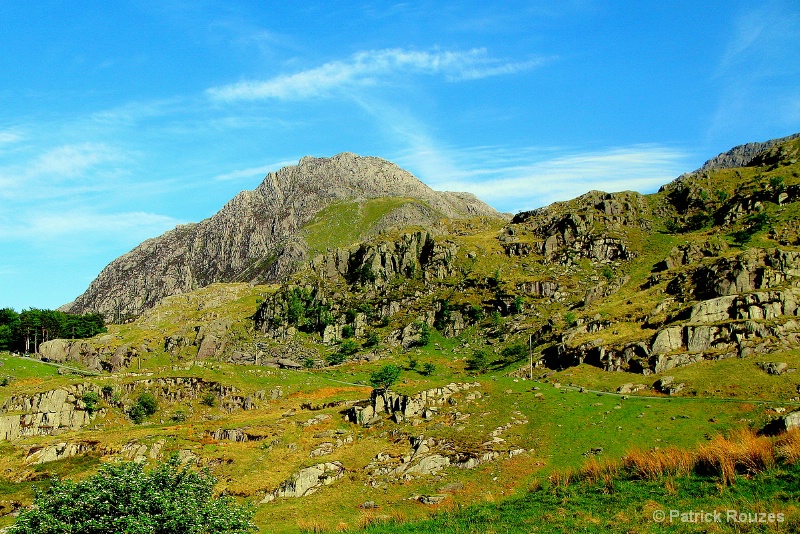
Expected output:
(585, 227)
(308, 481)
(256, 236)
(742, 155)
(48, 413)
(403, 406)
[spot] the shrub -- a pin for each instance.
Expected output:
(179, 416)
(479, 361)
(372, 340)
(571, 319)
(209, 399)
(428, 369)
(348, 347)
(145, 406)
(90, 400)
(518, 305)
(348, 331)
(384, 377)
(424, 334)
(335, 359)
(514, 353)
(169, 499)
(108, 391)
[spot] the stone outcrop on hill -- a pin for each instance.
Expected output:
(48, 413)
(256, 237)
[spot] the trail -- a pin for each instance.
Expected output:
(74, 369)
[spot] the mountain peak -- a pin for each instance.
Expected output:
(258, 235)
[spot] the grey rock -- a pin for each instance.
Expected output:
(256, 236)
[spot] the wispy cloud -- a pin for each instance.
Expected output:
(60, 171)
(86, 225)
(536, 177)
(9, 136)
(252, 172)
(368, 68)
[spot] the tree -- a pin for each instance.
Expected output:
(145, 405)
(384, 377)
(170, 499)
(91, 399)
(479, 361)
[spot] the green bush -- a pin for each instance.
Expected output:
(427, 369)
(145, 406)
(348, 331)
(90, 401)
(479, 361)
(372, 340)
(170, 499)
(514, 353)
(424, 334)
(209, 399)
(384, 377)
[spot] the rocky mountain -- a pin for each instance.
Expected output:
(262, 235)
(567, 336)
(742, 155)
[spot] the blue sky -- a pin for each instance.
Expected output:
(119, 120)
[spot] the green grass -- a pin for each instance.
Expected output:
(623, 506)
(344, 223)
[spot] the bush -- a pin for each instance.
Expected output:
(571, 319)
(145, 406)
(518, 305)
(169, 499)
(427, 369)
(479, 361)
(209, 399)
(348, 347)
(514, 353)
(348, 331)
(424, 334)
(384, 377)
(90, 400)
(335, 359)
(372, 340)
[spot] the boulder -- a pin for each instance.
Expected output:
(309, 480)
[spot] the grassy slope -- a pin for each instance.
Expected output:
(562, 424)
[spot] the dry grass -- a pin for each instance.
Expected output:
(310, 526)
(787, 447)
(743, 452)
(562, 478)
(604, 470)
(657, 463)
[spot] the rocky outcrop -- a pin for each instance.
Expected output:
(591, 226)
(48, 413)
(743, 155)
(308, 481)
(752, 270)
(256, 237)
(401, 407)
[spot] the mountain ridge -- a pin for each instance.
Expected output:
(256, 236)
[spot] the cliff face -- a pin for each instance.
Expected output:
(257, 236)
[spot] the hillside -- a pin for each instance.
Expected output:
(572, 333)
(261, 236)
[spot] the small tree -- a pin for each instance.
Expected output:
(146, 405)
(90, 401)
(479, 361)
(428, 369)
(170, 499)
(384, 377)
